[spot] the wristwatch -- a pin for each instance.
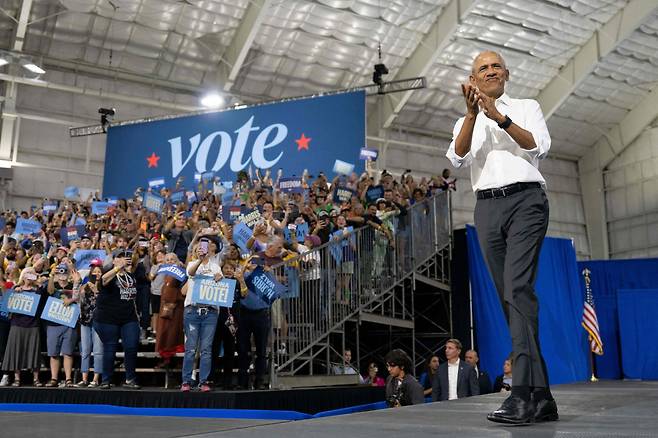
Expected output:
(505, 124)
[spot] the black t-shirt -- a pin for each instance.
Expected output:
(115, 303)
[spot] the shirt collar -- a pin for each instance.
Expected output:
(456, 364)
(505, 99)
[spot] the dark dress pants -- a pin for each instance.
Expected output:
(511, 231)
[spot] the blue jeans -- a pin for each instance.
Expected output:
(109, 334)
(199, 330)
(89, 341)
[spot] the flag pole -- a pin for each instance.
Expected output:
(591, 366)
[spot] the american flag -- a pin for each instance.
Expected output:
(590, 323)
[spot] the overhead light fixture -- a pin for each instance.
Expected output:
(212, 100)
(33, 68)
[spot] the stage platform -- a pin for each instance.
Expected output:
(602, 409)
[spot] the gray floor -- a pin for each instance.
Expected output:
(603, 409)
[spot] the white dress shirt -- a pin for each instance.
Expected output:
(496, 160)
(453, 373)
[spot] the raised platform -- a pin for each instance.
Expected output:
(603, 409)
(307, 400)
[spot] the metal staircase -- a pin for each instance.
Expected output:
(360, 291)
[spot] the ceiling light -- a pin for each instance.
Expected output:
(34, 68)
(212, 100)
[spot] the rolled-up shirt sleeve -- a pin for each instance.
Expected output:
(455, 159)
(536, 125)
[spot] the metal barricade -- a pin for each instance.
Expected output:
(354, 273)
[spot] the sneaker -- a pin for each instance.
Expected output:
(185, 387)
(104, 386)
(5, 380)
(93, 384)
(82, 384)
(131, 384)
(205, 387)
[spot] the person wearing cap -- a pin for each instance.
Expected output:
(89, 339)
(199, 320)
(115, 317)
(323, 228)
(24, 341)
(61, 339)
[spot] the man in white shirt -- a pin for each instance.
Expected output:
(455, 378)
(502, 139)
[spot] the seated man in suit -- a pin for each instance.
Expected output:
(455, 378)
(472, 358)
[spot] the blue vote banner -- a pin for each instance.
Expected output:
(291, 185)
(56, 311)
(25, 303)
(83, 257)
(153, 202)
(27, 226)
(112, 200)
(242, 233)
(205, 290)
(99, 207)
(175, 271)
(294, 135)
(264, 285)
(374, 193)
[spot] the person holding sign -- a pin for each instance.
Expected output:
(116, 317)
(23, 344)
(199, 320)
(61, 340)
(89, 339)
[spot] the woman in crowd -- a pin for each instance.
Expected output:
(503, 382)
(116, 317)
(428, 376)
(89, 339)
(24, 341)
(372, 378)
(199, 320)
(169, 332)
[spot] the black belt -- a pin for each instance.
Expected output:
(501, 192)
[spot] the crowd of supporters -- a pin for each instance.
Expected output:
(126, 298)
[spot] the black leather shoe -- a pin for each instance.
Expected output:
(546, 410)
(514, 410)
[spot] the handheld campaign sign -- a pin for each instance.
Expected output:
(71, 192)
(175, 271)
(369, 154)
(99, 207)
(242, 233)
(69, 234)
(293, 135)
(56, 311)
(336, 247)
(343, 168)
(291, 185)
(83, 257)
(27, 226)
(249, 217)
(206, 290)
(157, 182)
(153, 202)
(264, 285)
(112, 200)
(50, 206)
(374, 193)
(25, 303)
(177, 197)
(301, 232)
(343, 194)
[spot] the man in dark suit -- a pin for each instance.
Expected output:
(454, 378)
(472, 358)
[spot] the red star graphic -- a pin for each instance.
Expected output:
(302, 142)
(153, 160)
